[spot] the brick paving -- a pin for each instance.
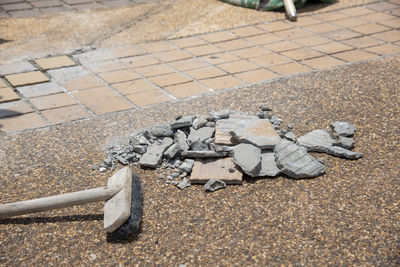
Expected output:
(28, 8)
(64, 88)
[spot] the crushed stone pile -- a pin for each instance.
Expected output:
(225, 146)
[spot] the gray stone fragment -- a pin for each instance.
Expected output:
(275, 120)
(153, 157)
(316, 140)
(201, 134)
(248, 158)
(186, 166)
(210, 124)
(346, 142)
(265, 108)
(183, 184)
(203, 154)
(183, 122)
(343, 128)
(199, 122)
(141, 149)
(338, 151)
(172, 151)
(295, 162)
(290, 136)
(160, 130)
(218, 148)
(143, 140)
(102, 169)
(180, 139)
(214, 184)
(268, 165)
(222, 114)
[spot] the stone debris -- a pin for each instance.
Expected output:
(295, 162)
(343, 128)
(214, 184)
(218, 148)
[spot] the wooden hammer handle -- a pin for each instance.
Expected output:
(57, 202)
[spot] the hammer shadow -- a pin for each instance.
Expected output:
(69, 218)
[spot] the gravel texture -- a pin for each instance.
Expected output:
(348, 216)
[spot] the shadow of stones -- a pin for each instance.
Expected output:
(3, 41)
(5, 113)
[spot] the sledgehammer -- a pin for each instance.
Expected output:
(122, 210)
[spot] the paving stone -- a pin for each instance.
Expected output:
(14, 108)
(7, 94)
(65, 114)
(343, 128)
(203, 154)
(160, 130)
(199, 122)
(199, 136)
(172, 151)
(17, 67)
(52, 101)
(153, 157)
(290, 136)
(206, 169)
(316, 140)
(39, 89)
(65, 75)
(55, 62)
(214, 184)
(27, 78)
(181, 140)
(222, 131)
(346, 142)
(248, 158)
(186, 166)
(268, 165)
(21, 122)
(183, 122)
(294, 161)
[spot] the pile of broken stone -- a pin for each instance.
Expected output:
(218, 149)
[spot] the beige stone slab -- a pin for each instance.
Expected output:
(27, 78)
(55, 62)
(206, 169)
(7, 94)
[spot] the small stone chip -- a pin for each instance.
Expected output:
(214, 184)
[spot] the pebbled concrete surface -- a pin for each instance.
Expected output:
(348, 216)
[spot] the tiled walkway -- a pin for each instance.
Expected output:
(54, 90)
(28, 8)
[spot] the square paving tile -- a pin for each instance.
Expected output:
(203, 50)
(64, 114)
(362, 42)
(282, 46)
(101, 100)
(269, 60)
(81, 83)
(255, 76)
(290, 69)
(356, 11)
(323, 62)
(386, 49)
(187, 64)
(204, 73)
(24, 13)
(140, 61)
(133, 87)
(330, 16)
(55, 62)
(238, 66)
(149, 98)
(7, 94)
(52, 101)
(172, 55)
(169, 79)
(93, 56)
(46, 3)
(64, 75)
(370, 28)
(251, 52)
(129, 51)
(216, 37)
(381, 6)
(262, 39)
(14, 108)
(21, 122)
(188, 42)
(354, 55)
(312, 40)
(275, 26)
(220, 58)
(154, 70)
(333, 47)
(322, 28)
(389, 36)
(247, 31)
(157, 46)
(222, 82)
(3, 84)
(233, 44)
(106, 66)
(292, 33)
(27, 78)
(342, 35)
(377, 17)
(394, 23)
(119, 76)
(40, 89)
(302, 53)
(17, 67)
(304, 21)
(350, 22)
(186, 90)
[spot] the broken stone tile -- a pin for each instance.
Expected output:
(218, 148)
(187, 166)
(197, 138)
(199, 122)
(180, 139)
(223, 128)
(160, 130)
(153, 157)
(203, 154)
(214, 184)
(255, 131)
(290, 136)
(222, 114)
(206, 169)
(184, 183)
(316, 140)
(343, 128)
(172, 151)
(346, 142)
(295, 162)
(341, 152)
(268, 165)
(183, 122)
(248, 158)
